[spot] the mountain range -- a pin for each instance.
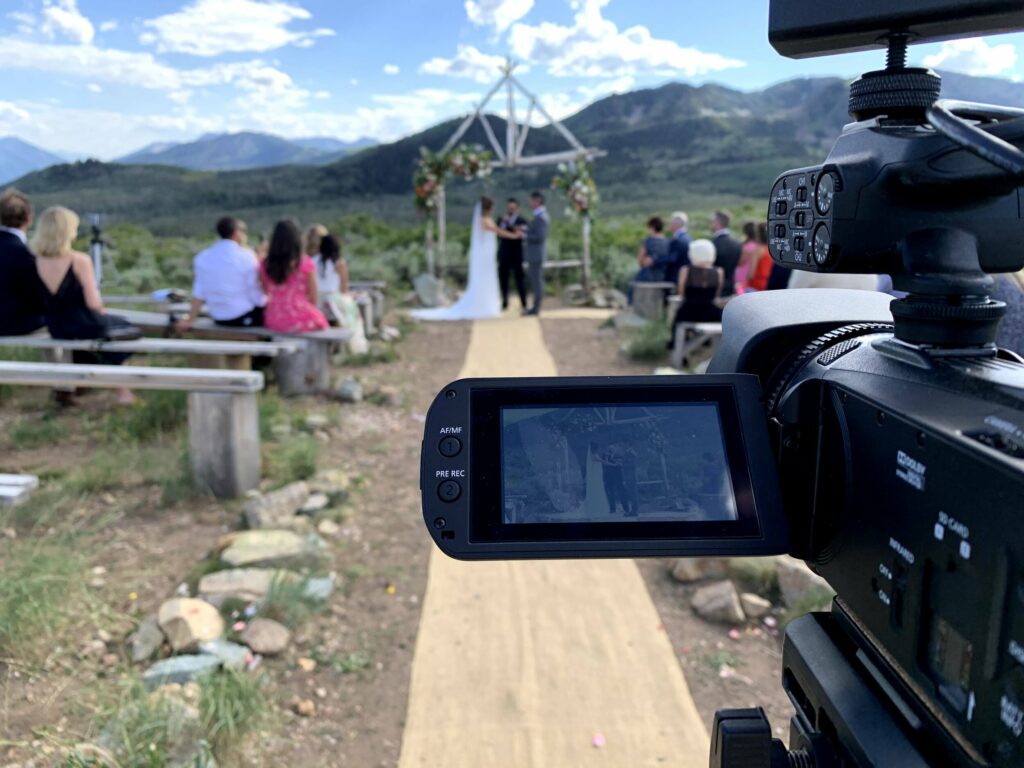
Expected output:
(18, 157)
(676, 145)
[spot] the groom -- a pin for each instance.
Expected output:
(535, 250)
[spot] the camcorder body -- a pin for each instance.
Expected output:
(879, 440)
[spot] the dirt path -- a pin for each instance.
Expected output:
(552, 663)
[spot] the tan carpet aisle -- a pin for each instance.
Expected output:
(521, 665)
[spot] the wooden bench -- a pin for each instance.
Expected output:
(376, 290)
(305, 371)
(649, 299)
(693, 336)
(223, 419)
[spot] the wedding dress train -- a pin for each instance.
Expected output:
(482, 298)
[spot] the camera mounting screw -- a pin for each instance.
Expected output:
(896, 92)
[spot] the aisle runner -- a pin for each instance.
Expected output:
(522, 665)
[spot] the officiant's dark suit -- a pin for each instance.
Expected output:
(536, 249)
(510, 255)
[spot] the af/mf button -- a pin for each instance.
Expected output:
(450, 447)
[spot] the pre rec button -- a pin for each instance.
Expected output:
(449, 491)
(450, 447)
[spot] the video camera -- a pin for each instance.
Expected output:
(881, 443)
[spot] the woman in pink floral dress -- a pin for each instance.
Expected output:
(289, 280)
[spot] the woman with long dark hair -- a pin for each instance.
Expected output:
(289, 280)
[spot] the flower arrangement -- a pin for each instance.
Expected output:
(580, 189)
(433, 169)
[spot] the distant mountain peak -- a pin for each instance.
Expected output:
(18, 157)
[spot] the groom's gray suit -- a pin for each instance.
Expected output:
(534, 252)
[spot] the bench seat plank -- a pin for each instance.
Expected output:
(158, 346)
(134, 377)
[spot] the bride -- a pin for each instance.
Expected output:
(482, 298)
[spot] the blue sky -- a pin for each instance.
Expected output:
(103, 77)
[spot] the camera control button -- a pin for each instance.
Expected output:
(449, 491)
(781, 207)
(450, 447)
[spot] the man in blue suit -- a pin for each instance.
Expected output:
(678, 247)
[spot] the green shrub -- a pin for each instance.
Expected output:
(647, 344)
(231, 705)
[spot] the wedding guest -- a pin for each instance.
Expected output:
(331, 267)
(510, 254)
(750, 256)
(653, 256)
(700, 286)
(289, 280)
(73, 306)
(315, 233)
(762, 272)
(727, 249)
(226, 279)
(21, 294)
(335, 300)
(678, 247)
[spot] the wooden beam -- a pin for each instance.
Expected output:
(566, 133)
(134, 377)
(525, 132)
(491, 137)
(157, 346)
(469, 120)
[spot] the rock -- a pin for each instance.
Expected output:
(266, 636)
(231, 655)
(320, 588)
(333, 483)
(180, 669)
(187, 622)
(797, 580)
(430, 291)
(617, 298)
(315, 421)
(249, 584)
(718, 602)
(306, 664)
(628, 321)
(273, 547)
(690, 569)
(599, 300)
(281, 430)
(328, 527)
(318, 502)
(348, 391)
(303, 707)
(755, 606)
(390, 333)
(276, 509)
(109, 659)
(145, 641)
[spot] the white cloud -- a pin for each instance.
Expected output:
(94, 88)
(108, 26)
(26, 22)
(468, 62)
(181, 97)
(500, 14)
(595, 47)
(322, 95)
(62, 18)
(973, 56)
(213, 27)
(11, 115)
(391, 69)
(353, 81)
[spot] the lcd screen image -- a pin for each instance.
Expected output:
(620, 463)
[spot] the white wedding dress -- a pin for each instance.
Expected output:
(482, 298)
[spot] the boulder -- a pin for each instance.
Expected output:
(273, 548)
(231, 655)
(333, 483)
(187, 622)
(318, 502)
(327, 527)
(315, 421)
(796, 580)
(690, 569)
(320, 588)
(266, 636)
(145, 641)
(249, 584)
(429, 290)
(180, 670)
(276, 509)
(348, 391)
(755, 606)
(718, 602)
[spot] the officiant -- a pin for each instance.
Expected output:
(510, 254)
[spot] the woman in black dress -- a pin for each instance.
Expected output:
(700, 286)
(74, 309)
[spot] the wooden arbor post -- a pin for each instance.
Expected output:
(586, 254)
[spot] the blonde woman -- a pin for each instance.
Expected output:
(74, 309)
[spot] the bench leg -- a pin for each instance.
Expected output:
(224, 362)
(304, 372)
(224, 442)
(60, 355)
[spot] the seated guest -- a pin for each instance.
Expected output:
(315, 233)
(750, 257)
(678, 246)
(727, 249)
(74, 309)
(226, 278)
(653, 256)
(289, 280)
(335, 300)
(21, 295)
(700, 286)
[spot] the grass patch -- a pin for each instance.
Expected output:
(41, 593)
(288, 603)
(346, 664)
(231, 705)
(379, 352)
(269, 414)
(294, 458)
(817, 598)
(647, 344)
(157, 413)
(718, 659)
(757, 575)
(34, 432)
